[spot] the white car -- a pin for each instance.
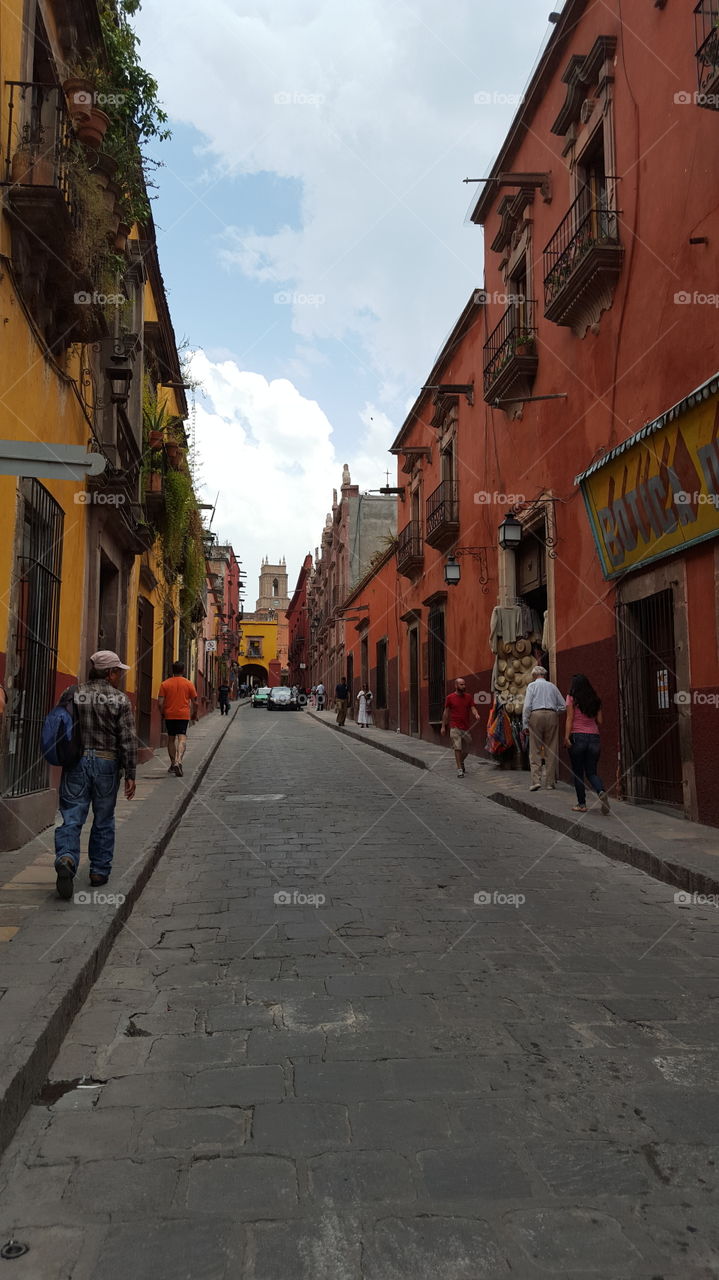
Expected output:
(280, 699)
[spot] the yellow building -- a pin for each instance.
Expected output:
(87, 358)
(258, 650)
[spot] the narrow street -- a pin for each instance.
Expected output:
(314, 1055)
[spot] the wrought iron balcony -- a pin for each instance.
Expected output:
(706, 24)
(38, 153)
(442, 524)
(510, 353)
(581, 264)
(410, 550)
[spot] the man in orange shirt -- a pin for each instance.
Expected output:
(177, 701)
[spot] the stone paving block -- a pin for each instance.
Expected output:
(31, 1196)
(183, 976)
(402, 1126)
(123, 1188)
(196, 1051)
(180, 1249)
(324, 1247)
(235, 1086)
(358, 984)
(237, 1017)
(429, 1078)
(562, 1238)
(679, 1115)
(156, 1089)
(433, 1248)
(593, 1168)
(98, 1135)
(54, 1252)
(299, 1127)
(361, 1177)
(275, 1045)
(199, 1130)
(342, 1082)
(246, 1186)
(489, 1171)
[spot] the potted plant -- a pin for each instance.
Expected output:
(91, 130)
(524, 345)
(80, 97)
(30, 165)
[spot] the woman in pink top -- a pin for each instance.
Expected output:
(581, 736)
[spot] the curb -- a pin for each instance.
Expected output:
(690, 879)
(658, 868)
(397, 752)
(32, 1057)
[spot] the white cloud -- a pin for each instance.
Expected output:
(269, 452)
(370, 106)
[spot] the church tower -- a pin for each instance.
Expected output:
(273, 586)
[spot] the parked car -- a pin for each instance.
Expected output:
(280, 699)
(260, 697)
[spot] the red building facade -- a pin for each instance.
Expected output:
(579, 393)
(298, 628)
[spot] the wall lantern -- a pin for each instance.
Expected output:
(119, 375)
(452, 571)
(510, 533)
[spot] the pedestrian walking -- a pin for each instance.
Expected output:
(364, 712)
(342, 694)
(223, 694)
(581, 736)
(177, 701)
(321, 691)
(459, 715)
(543, 705)
(109, 749)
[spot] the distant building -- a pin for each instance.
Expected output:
(298, 627)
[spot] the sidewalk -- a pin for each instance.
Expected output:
(683, 854)
(51, 952)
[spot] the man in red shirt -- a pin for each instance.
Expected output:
(459, 714)
(177, 701)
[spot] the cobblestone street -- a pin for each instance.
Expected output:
(367, 1025)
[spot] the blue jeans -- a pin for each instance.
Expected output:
(584, 755)
(92, 781)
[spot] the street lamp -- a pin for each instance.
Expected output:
(452, 571)
(510, 533)
(119, 375)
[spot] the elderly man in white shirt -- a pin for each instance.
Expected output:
(543, 705)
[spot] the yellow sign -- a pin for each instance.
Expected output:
(658, 495)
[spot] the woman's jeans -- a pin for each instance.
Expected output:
(92, 781)
(584, 756)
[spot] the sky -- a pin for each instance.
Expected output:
(312, 229)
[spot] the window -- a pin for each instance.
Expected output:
(381, 690)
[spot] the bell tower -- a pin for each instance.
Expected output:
(273, 593)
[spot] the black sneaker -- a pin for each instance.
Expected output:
(65, 876)
(178, 770)
(96, 880)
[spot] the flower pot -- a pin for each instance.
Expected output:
(174, 455)
(80, 96)
(91, 132)
(30, 170)
(103, 171)
(154, 482)
(154, 440)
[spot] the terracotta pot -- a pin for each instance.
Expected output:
(103, 171)
(30, 170)
(154, 482)
(174, 454)
(80, 96)
(155, 440)
(123, 232)
(92, 132)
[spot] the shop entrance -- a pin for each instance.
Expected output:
(532, 575)
(651, 757)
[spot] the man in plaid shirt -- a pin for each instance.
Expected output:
(107, 729)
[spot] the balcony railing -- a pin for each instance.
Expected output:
(442, 524)
(410, 552)
(581, 261)
(39, 140)
(706, 23)
(510, 352)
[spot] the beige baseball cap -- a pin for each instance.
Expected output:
(105, 660)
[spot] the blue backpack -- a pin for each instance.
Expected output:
(60, 742)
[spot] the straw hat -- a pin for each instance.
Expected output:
(528, 663)
(520, 646)
(501, 664)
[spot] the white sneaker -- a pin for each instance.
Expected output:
(536, 786)
(460, 773)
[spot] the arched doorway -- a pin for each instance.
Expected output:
(253, 674)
